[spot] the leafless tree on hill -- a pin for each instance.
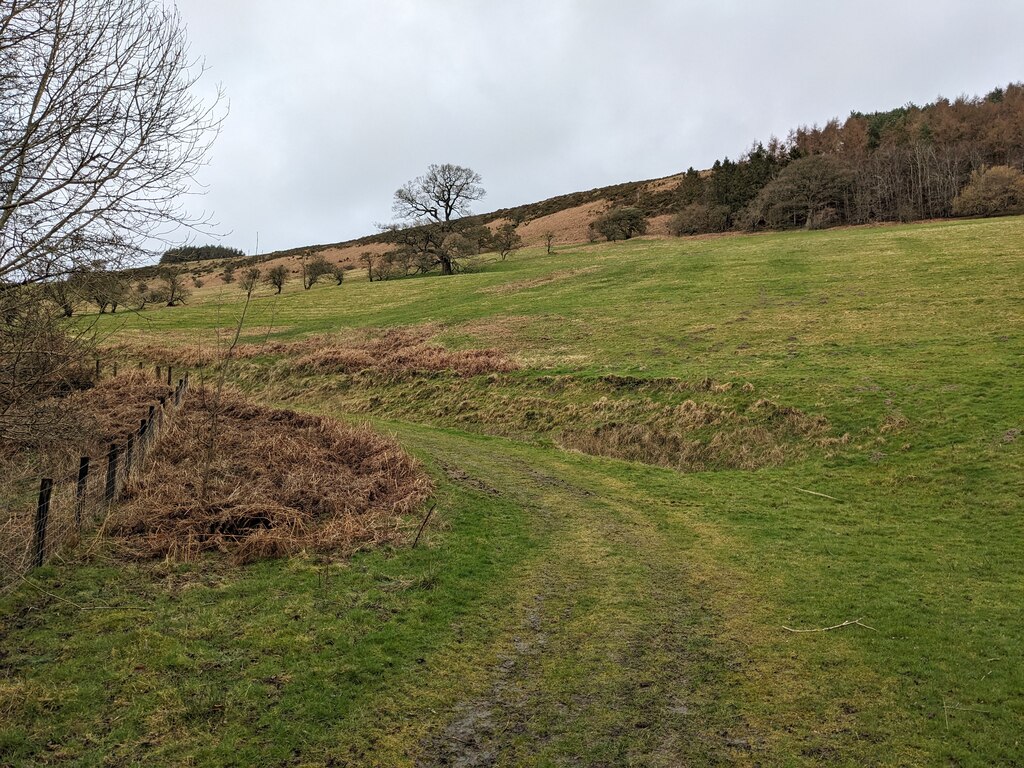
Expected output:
(250, 279)
(174, 289)
(434, 202)
(277, 277)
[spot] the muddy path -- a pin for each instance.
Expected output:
(607, 656)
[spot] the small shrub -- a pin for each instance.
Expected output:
(991, 191)
(620, 224)
(699, 219)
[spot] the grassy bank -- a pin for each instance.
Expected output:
(580, 605)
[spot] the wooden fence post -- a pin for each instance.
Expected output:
(129, 454)
(97, 367)
(111, 488)
(83, 478)
(42, 513)
(169, 375)
(115, 367)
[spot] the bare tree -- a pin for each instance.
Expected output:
(174, 289)
(313, 269)
(250, 279)
(277, 277)
(104, 288)
(100, 132)
(506, 239)
(99, 135)
(367, 258)
(549, 239)
(435, 200)
(65, 293)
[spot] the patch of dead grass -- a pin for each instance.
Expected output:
(570, 225)
(401, 352)
(394, 352)
(114, 407)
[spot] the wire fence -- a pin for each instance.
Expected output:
(51, 512)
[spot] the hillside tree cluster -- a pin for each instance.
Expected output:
(909, 163)
(187, 253)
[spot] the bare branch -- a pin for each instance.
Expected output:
(100, 133)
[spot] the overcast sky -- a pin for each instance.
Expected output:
(336, 103)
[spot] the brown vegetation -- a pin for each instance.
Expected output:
(112, 409)
(279, 482)
(394, 353)
(104, 414)
(569, 225)
(401, 352)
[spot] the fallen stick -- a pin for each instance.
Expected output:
(815, 493)
(848, 623)
(423, 525)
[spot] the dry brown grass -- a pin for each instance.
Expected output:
(104, 414)
(659, 226)
(395, 352)
(278, 482)
(663, 184)
(569, 226)
(114, 407)
(402, 352)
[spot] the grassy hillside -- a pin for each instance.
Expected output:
(848, 409)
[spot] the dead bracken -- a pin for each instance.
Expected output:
(274, 482)
(396, 352)
(400, 352)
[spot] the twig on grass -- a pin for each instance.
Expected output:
(848, 623)
(815, 493)
(80, 607)
(423, 525)
(957, 708)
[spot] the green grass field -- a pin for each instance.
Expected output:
(580, 609)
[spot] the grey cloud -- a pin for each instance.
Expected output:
(335, 104)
